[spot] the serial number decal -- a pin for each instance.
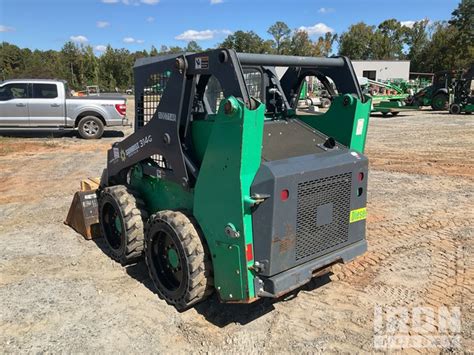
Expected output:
(358, 215)
(167, 116)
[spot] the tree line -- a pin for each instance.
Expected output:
(429, 46)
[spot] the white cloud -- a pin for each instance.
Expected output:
(150, 19)
(103, 24)
(6, 28)
(150, 2)
(100, 48)
(193, 35)
(214, 2)
(131, 40)
(79, 39)
(325, 10)
(408, 24)
(110, 1)
(317, 29)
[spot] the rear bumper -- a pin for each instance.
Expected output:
(289, 280)
(119, 122)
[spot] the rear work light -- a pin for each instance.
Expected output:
(121, 109)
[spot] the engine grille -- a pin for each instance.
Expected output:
(311, 237)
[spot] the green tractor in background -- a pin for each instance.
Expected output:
(462, 93)
(225, 187)
(435, 95)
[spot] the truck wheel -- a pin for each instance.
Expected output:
(395, 113)
(439, 102)
(90, 127)
(455, 109)
(122, 216)
(177, 259)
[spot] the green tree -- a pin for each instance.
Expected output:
(11, 60)
(90, 66)
(416, 39)
(301, 44)
(115, 69)
(323, 46)
(356, 42)
(462, 21)
(153, 51)
(388, 40)
(440, 53)
(281, 36)
(248, 42)
(71, 61)
(193, 47)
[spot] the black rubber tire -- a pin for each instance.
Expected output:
(125, 246)
(395, 113)
(435, 102)
(194, 262)
(455, 109)
(90, 127)
(384, 114)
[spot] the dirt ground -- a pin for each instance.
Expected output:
(59, 292)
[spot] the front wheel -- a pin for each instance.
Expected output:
(455, 109)
(90, 127)
(177, 259)
(121, 216)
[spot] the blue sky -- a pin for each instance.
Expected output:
(138, 24)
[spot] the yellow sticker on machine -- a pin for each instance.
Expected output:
(358, 214)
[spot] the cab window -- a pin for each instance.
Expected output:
(45, 91)
(13, 91)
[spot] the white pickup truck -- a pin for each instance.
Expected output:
(37, 104)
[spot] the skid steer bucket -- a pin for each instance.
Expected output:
(83, 214)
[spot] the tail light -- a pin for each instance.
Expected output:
(249, 252)
(121, 109)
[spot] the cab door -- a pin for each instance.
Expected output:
(46, 106)
(14, 105)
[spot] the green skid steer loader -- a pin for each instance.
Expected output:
(226, 187)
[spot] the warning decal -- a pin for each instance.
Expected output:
(201, 62)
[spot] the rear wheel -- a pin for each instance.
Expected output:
(90, 127)
(177, 259)
(121, 218)
(439, 102)
(395, 113)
